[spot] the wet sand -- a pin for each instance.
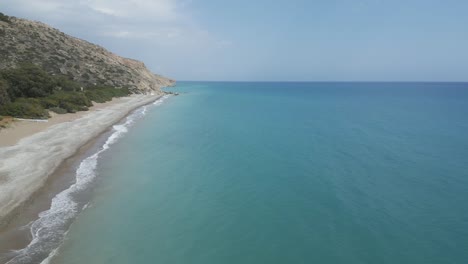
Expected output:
(17, 234)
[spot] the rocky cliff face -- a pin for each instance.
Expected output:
(34, 42)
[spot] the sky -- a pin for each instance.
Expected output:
(274, 40)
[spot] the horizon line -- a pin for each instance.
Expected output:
(259, 81)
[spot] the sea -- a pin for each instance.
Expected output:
(272, 172)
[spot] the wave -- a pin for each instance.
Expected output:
(49, 230)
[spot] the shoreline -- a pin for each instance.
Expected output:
(46, 147)
(16, 235)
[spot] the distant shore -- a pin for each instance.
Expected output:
(31, 151)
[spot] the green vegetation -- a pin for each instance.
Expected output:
(4, 18)
(25, 108)
(4, 97)
(58, 110)
(28, 81)
(27, 91)
(101, 94)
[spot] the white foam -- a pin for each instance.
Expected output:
(161, 100)
(32, 120)
(52, 225)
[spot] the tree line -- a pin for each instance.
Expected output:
(30, 92)
(4, 18)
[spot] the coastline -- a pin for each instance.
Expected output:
(16, 235)
(22, 128)
(33, 151)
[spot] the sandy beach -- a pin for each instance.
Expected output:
(31, 151)
(20, 129)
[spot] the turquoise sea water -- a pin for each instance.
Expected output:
(284, 173)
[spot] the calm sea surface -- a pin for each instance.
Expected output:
(284, 173)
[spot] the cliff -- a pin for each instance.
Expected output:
(58, 53)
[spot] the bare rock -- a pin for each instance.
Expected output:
(35, 42)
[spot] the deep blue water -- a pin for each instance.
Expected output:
(285, 173)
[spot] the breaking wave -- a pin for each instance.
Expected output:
(49, 230)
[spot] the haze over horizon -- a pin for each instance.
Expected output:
(340, 40)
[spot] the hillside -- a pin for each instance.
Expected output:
(25, 41)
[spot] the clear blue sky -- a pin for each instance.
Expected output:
(321, 40)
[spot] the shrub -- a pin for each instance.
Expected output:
(69, 107)
(4, 97)
(101, 94)
(58, 110)
(28, 80)
(98, 96)
(49, 102)
(25, 108)
(28, 90)
(65, 84)
(71, 101)
(4, 18)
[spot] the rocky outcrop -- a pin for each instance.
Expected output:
(25, 41)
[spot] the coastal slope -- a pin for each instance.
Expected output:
(25, 41)
(26, 165)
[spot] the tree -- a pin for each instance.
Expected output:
(28, 80)
(4, 18)
(4, 98)
(65, 84)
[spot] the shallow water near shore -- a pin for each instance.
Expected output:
(16, 235)
(67, 193)
(284, 173)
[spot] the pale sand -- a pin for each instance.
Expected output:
(31, 151)
(20, 129)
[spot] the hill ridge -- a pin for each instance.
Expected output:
(82, 61)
